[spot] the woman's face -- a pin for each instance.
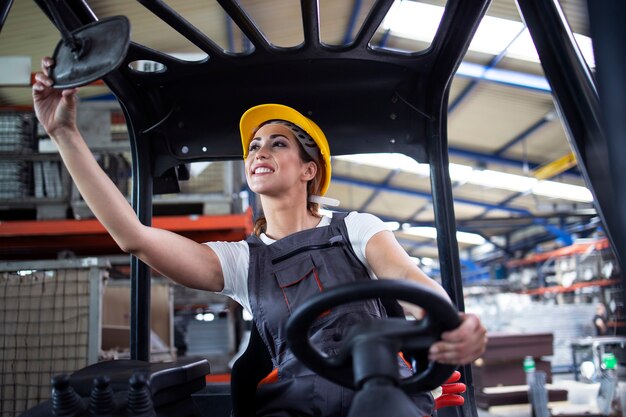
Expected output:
(274, 165)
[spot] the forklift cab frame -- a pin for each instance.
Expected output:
(368, 99)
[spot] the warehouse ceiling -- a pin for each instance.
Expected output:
(502, 120)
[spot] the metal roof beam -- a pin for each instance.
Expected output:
(375, 194)
(472, 85)
(489, 158)
(505, 77)
(423, 194)
(356, 8)
(526, 133)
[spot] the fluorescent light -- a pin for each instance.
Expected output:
(564, 191)
(431, 233)
(405, 16)
(523, 48)
(486, 177)
(470, 238)
(502, 180)
(389, 161)
(401, 162)
(419, 21)
(494, 35)
(458, 172)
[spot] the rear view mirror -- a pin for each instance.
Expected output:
(90, 52)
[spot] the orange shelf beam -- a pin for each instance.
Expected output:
(573, 287)
(43, 239)
(576, 248)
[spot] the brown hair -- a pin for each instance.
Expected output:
(313, 188)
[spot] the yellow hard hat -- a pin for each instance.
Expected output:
(257, 115)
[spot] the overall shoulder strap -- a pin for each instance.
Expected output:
(254, 240)
(338, 216)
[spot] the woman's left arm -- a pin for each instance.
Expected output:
(389, 260)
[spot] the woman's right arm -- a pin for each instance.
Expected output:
(183, 260)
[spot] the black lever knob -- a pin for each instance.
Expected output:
(101, 400)
(139, 397)
(65, 401)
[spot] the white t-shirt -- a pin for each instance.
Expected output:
(235, 256)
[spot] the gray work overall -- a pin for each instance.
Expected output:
(281, 277)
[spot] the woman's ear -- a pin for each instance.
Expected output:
(310, 171)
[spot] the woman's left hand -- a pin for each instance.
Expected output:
(462, 345)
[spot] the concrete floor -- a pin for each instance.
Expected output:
(519, 410)
(564, 408)
(581, 401)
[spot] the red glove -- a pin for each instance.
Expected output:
(448, 394)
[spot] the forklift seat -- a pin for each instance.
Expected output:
(237, 398)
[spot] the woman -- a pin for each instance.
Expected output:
(293, 254)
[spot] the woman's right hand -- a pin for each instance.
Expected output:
(55, 109)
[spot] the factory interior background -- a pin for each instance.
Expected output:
(536, 263)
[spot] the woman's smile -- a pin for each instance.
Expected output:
(261, 170)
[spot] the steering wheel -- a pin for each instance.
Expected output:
(370, 348)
